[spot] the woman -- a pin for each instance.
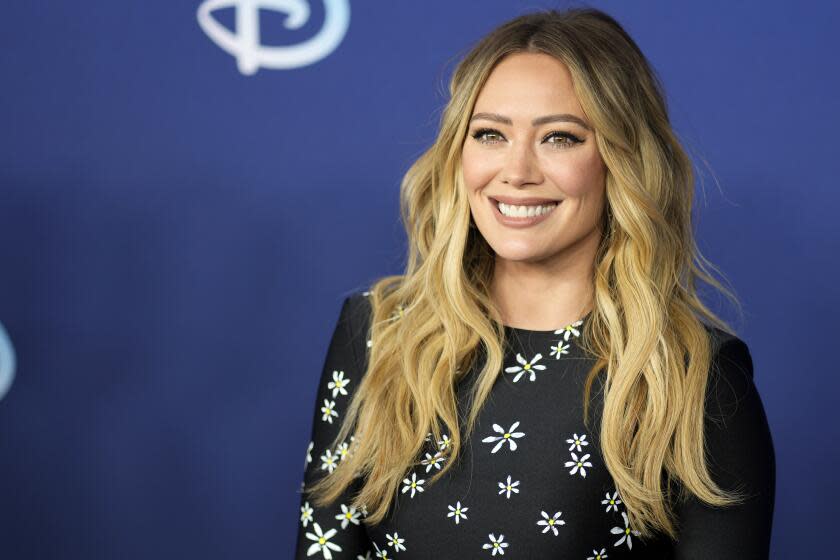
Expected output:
(543, 381)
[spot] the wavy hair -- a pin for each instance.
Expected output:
(431, 324)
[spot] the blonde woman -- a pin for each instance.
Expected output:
(543, 380)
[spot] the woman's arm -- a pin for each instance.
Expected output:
(336, 531)
(741, 457)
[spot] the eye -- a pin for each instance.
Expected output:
(481, 133)
(567, 139)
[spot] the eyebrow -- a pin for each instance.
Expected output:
(561, 117)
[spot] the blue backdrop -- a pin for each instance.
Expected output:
(182, 213)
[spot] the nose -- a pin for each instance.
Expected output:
(521, 166)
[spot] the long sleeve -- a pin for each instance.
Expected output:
(741, 456)
(336, 531)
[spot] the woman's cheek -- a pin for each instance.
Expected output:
(476, 173)
(576, 180)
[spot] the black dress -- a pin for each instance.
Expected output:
(531, 482)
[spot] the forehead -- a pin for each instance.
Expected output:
(528, 83)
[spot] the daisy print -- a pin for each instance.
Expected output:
(414, 485)
(381, 553)
(322, 542)
(570, 330)
(328, 461)
(506, 436)
(395, 541)
(530, 367)
(348, 516)
(626, 532)
(338, 383)
(354, 444)
(309, 453)
(577, 441)
(329, 411)
(611, 501)
(552, 522)
(559, 350)
(365, 557)
(457, 512)
(342, 450)
(445, 443)
(306, 513)
(509, 487)
(399, 313)
(498, 546)
(597, 555)
(430, 461)
(579, 464)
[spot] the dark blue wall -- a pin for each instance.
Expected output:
(176, 238)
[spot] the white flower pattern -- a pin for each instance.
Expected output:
(611, 501)
(497, 545)
(526, 366)
(570, 330)
(338, 384)
(322, 542)
(343, 450)
(577, 441)
(513, 475)
(559, 349)
(306, 513)
(551, 522)
(579, 464)
(508, 487)
(328, 462)
(508, 436)
(626, 532)
(381, 552)
(309, 453)
(329, 411)
(413, 484)
(347, 516)
(458, 512)
(396, 542)
(432, 461)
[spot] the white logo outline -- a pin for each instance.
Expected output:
(244, 44)
(7, 362)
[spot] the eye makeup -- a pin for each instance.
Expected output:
(571, 139)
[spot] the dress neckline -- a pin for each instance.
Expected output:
(548, 333)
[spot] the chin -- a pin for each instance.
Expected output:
(519, 252)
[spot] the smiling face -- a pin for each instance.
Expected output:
(506, 156)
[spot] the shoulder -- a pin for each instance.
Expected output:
(356, 309)
(737, 432)
(731, 375)
(740, 458)
(354, 319)
(730, 351)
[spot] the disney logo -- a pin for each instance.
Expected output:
(244, 43)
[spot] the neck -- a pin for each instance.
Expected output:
(548, 294)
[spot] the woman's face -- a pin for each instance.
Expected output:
(506, 156)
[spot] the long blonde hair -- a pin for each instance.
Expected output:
(429, 325)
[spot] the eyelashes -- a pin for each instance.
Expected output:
(570, 139)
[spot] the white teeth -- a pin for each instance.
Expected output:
(525, 211)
